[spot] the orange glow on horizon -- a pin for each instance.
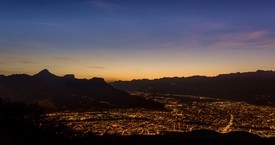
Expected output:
(110, 77)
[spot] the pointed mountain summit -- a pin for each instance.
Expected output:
(46, 75)
(67, 92)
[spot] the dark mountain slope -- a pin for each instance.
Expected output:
(56, 92)
(1, 77)
(23, 88)
(253, 87)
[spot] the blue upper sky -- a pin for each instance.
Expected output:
(127, 39)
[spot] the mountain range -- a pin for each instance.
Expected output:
(252, 87)
(54, 92)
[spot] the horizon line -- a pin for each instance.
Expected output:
(115, 80)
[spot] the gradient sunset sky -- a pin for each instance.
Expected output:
(131, 39)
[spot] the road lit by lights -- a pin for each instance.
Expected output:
(199, 113)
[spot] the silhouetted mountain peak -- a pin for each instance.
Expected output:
(45, 74)
(98, 80)
(45, 70)
(48, 90)
(69, 76)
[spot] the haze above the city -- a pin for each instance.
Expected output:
(124, 40)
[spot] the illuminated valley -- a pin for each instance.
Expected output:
(184, 113)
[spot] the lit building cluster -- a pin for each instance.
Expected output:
(186, 113)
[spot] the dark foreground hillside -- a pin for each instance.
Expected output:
(252, 87)
(68, 93)
(18, 127)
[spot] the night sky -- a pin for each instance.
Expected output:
(131, 39)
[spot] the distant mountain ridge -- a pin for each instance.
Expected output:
(253, 87)
(55, 92)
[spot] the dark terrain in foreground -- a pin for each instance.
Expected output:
(18, 126)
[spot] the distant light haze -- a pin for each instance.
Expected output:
(132, 39)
